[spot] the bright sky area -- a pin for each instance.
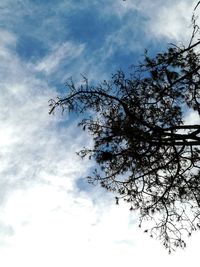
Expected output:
(49, 215)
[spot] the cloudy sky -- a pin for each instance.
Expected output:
(49, 215)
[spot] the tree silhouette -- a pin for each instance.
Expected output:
(146, 153)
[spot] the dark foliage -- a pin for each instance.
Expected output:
(145, 152)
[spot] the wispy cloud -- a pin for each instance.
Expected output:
(65, 52)
(169, 21)
(155, 21)
(31, 145)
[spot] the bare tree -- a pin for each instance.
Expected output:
(145, 151)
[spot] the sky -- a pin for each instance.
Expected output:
(49, 215)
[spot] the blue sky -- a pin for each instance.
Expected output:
(49, 216)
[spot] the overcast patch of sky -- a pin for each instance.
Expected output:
(47, 216)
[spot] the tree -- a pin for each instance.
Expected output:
(145, 151)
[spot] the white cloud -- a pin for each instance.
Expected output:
(64, 52)
(149, 20)
(192, 117)
(173, 21)
(32, 149)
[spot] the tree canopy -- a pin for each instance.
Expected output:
(146, 153)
